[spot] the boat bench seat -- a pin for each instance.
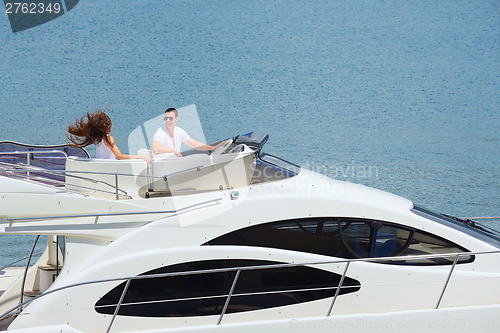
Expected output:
(100, 180)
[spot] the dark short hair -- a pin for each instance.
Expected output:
(174, 110)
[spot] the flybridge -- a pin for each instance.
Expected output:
(237, 163)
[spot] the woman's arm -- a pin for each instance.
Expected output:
(118, 154)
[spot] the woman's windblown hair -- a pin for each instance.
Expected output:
(90, 129)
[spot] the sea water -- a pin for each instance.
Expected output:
(398, 95)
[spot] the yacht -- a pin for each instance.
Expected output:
(232, 240)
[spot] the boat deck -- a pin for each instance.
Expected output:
(8, 276)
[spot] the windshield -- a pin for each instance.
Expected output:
(271, 168)
(467, 226)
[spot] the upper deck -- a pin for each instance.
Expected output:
(236, 164)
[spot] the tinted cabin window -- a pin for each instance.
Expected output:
(266, 171)
(205, 293)
(348, 238)
(424, 243)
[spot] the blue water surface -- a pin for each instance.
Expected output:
(399, 95)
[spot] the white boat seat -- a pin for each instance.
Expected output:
(105, 170)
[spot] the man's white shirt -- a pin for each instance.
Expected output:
(164, 137)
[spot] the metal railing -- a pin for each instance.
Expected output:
(239, 270)
(24, 172)
(19, 260)
(25, 274)
(27, 265)
(28, 153)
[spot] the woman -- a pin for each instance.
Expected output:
(95, 129)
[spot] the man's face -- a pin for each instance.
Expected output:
(170, 119)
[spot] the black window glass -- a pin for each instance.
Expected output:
(206, 293)
(267, 172)
(424, 243)
(349, 238)
(373, 239)
(470, 227)
(307, 235)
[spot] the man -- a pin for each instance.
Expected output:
(168, 138)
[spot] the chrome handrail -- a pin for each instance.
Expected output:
(37, 180)
(28, 152)
(100, 173)
(248, 268)
(68, 173)
(237, 275)
(165, 177)
(124, 292)
(25, 274)
(18, 260)
(447, 280)
(337, 292)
